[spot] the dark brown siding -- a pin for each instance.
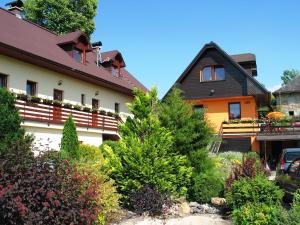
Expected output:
(235, 83)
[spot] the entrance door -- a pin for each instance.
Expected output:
(57, 113)
(95, 105)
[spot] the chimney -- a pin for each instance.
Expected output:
(16, 7)
(97, 46)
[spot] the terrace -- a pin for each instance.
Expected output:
(264, 129)
(50, 112)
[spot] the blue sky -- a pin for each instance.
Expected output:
(158, 39)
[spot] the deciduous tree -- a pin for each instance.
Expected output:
(62, 16)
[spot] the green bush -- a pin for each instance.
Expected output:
(205, 186)
(11, 132)
(294, 213)
(69, 141)
(259, 214)
(145, 154)
(91, 164)
(256, 190)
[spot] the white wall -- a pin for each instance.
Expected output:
(49, 136)
(19, 72)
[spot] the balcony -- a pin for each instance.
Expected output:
(50, 114)
(264, 129)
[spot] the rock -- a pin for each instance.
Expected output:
(218, 201)
(194, 204)
(205, 208)
(184, 209)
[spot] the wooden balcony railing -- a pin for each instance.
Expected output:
(58, 115)
(260, 129)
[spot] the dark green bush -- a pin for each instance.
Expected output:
(11, 133)
(257, 190)
(259, 214)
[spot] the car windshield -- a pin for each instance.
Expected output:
(290, 156)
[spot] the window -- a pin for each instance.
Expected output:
(212, 73)
(31, 88)
(291, 113)
(198, 108)
(3, 81)
(234, 110)
(95, 103)
(58, 95)
(82, 99)
(207, 74)
(77, 55)
(220, 73)
(117, 107)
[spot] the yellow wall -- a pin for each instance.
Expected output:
(216, 110)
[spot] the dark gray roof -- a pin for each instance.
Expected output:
(292, 86)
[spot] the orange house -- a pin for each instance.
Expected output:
(225, 88)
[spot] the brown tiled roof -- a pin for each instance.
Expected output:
(70, 37)
(247, 57)
(30, 42)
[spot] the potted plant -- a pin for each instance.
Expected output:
(87, 109)
(48, 101)
(35, 99)
(22, 97)
(57, 103)
(95, 110)
(117, 115)
(102, 112)
(68, 106)
(77, 107)
(110, 113)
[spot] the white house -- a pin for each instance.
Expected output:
(55, 75)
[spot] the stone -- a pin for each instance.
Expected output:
(194, 204)
(184, 209)
(218, 201)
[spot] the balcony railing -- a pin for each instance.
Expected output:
(262, 129)
(58, 115)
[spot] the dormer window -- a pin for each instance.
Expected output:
(78, 55)
(212, 73)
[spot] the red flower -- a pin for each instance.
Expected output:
(57, 203)
(49, 194)
(21, 208)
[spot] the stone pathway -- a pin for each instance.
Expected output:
(204, 219)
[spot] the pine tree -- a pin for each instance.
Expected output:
(189, 128)
(144, 155)
(69, 141)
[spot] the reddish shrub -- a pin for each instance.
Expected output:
(42, 194)
(250, 167)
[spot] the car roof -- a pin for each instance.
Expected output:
(291, 150)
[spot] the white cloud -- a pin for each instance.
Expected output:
(274, 87)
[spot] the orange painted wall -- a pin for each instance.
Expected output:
(216, 110)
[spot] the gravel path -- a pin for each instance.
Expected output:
(204, 219)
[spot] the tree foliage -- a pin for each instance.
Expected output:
(289, 75)
(69, 141)
(11, 132)
(192, 135)
(145, 153)
(189, 128)
(62, 16)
